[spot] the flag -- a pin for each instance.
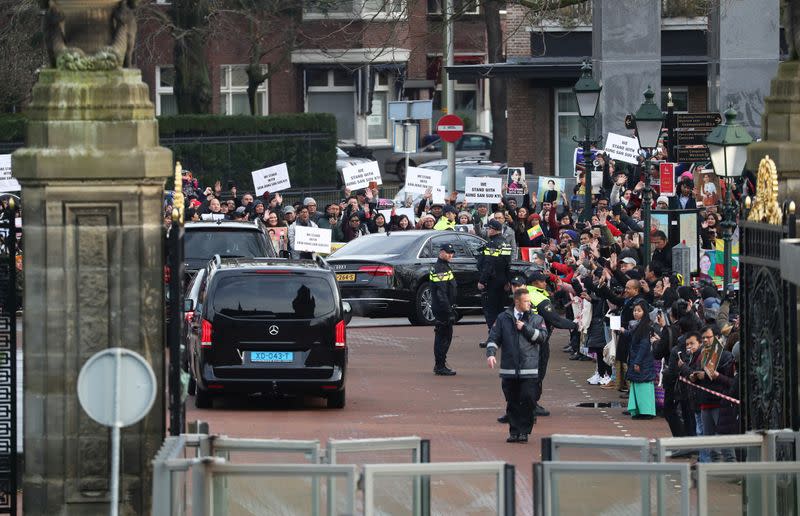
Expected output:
(535, 232)
(719, 262)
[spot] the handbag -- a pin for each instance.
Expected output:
(610, 349)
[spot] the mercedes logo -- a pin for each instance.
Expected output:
(273, 330)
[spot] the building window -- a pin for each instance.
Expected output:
(233, 91)
(680, 98)
(567, 125)
(348, 9)
(377, 123)
(333, 91)
(466, 95)
(166, 103)
(459, 7)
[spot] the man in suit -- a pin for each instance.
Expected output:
(685, 198)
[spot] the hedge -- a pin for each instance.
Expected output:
(309, 147)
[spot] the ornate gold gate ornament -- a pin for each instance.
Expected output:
(765, 206)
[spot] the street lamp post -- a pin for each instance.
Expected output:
(587, 94)
(727, 145)
(648, 122)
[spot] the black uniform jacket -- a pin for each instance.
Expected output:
(520, 357)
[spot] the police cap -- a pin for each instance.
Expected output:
(448, 248)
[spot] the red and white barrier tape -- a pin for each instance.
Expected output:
(715, 393)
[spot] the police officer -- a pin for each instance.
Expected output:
(541, 304)
(443, 299)
(448, 218)
(519, 333)
(494, 264)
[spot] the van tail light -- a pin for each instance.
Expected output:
(377, 270)
(340, 341)
(167, 274)
(205, 334)
(188, 316)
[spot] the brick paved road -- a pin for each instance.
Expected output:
(392, 392)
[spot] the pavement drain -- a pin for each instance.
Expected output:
(599, 404)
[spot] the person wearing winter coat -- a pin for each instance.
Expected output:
(518, 332)
(641, 369)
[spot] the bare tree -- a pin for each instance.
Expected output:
(21, 52)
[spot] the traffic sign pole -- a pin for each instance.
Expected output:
(450, 129)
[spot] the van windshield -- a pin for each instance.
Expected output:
(279, 296)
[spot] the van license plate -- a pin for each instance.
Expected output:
(271, 356)
(345, 277)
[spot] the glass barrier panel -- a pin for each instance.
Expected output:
(473, 494)
(254, 494)
(752, 493)
(613, 492)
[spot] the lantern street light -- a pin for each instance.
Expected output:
(648, 122)
(587, 95)
(727, 145)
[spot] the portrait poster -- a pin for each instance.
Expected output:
(660, 222)
(707, 188)
(710, 357)
(550, 189)
(516, 181)
(277, 237)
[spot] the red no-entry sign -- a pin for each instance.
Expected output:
(450, 128)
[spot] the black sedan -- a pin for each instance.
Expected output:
(386, 275)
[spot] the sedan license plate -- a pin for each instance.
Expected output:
(271, 356)
(345, 277)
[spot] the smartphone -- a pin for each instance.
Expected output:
(373, 185)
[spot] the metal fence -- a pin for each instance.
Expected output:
(200, 474)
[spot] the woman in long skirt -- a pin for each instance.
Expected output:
(641, 370)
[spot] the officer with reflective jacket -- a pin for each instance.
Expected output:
(541, 304)
(443, 299)
(448, 218)
(519, 332)
(494, 262)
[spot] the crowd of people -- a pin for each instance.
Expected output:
(654, 335)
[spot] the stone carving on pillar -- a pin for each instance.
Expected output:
(766, 207)
(89, 35)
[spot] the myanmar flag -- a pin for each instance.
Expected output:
(535, 232)
(719, 263)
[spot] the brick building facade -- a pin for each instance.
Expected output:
(349, 62)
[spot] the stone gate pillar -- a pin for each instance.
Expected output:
(92, 179)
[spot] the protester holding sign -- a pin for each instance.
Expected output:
(302, 220)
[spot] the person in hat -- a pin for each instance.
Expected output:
(448, 220)
(541, 304)
(662, 203)
(519, 333)
(494, 263)
(443, 300)
(289, 215)
(313, 214)
(240, 213)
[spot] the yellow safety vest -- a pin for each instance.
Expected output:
(537, 296)
(503, 250)
(444, 223)
(436, 277)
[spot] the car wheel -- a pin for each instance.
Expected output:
(423, 310)
(202, 399)
(337, 399)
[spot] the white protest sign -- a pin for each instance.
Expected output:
(437, 194)
(212, 216)
(622, 148)
(7, 183)
(359, 176)
(271, 179)
(312, 240)
(483, 189)
(420, 179)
